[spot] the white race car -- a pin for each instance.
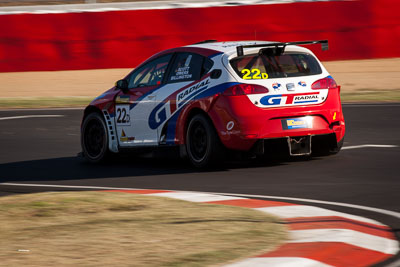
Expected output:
(205, 97)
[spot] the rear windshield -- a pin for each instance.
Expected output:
(251, 67)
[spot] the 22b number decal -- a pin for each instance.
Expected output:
(257, 75)
(122, 115)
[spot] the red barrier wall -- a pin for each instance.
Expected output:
(355, 30)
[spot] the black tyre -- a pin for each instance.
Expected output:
(202, 142)
(94, 138)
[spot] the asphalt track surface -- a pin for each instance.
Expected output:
(42, 150)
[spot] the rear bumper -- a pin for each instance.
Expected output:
(240, 123)
(312, 144)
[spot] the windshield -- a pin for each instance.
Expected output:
(255, 66)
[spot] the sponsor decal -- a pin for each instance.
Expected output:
(234, 132)
(277, 100)
(301, 83)
(296, 123)
(334, 116)
(271, 100)
(175, 101)
(290, 86)
(305, 99)
(230, 125)
(276, 86)
(183, 70)
(125, 138)
(187, 93)
(122, 99)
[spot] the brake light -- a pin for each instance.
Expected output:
(245, 89)
(325, 83)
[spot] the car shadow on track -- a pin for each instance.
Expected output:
(75, 168)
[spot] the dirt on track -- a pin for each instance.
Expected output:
(354, 76)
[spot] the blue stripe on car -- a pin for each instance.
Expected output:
(170, 139)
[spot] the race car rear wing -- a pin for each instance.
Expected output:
(280, 47)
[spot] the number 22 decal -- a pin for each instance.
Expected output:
(256, 74)
(122, 115)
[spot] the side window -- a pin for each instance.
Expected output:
(207, 65)
(150, 74)
(186, 67)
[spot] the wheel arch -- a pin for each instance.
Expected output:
(90, 109)
(190, 114)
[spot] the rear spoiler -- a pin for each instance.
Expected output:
(281, 46)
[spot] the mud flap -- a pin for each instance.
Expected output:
(300, 145)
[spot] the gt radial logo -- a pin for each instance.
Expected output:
(288, 99)
(187, 93)
(163, 111)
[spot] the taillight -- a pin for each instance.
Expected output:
(245, 89)
(325, 83)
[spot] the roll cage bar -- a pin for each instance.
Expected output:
(280, 47)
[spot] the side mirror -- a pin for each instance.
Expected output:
(215, 74)
(122, 84)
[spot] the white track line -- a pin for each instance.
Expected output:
(368, 145)
(355, 238)
(30, 116)
(377, 210)
(278, 261)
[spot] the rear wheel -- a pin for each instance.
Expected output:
(94, 138)
(202, 143)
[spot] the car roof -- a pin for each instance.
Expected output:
(230, 47)
(209, 48)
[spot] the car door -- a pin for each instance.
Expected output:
(183, 75)
(133, 107)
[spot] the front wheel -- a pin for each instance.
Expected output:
(202, 142)
(94, 138)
